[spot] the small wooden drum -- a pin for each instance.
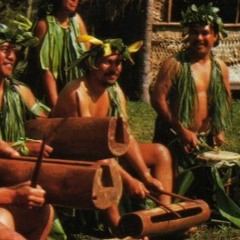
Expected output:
(219, 181)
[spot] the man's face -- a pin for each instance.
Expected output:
(108, 69)
(202, 38)
(7, 59)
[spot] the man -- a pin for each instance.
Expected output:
(20, 205)
(192, 94)
(98, 95)
(17, 103)
(57, 28)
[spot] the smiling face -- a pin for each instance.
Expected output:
(202, 39)
(108, 69)
(7, 59)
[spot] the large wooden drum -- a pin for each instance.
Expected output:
(82, 138)
(68, 183)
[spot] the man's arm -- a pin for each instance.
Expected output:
(159, 101)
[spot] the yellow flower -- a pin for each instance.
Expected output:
(107, 49)
(135, 46)
(89, 38)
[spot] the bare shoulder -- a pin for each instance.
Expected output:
(168, 69)
(40, 29)
(70, 89)
(222, 64)
(26, 94)
(67, 100)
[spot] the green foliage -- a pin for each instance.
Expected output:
(207, 14)
(17, 32)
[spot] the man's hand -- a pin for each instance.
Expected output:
(136, 188)
(219, 139)
(152, 183)
(190, 140)
(35, 146)
(26, 196)
(7, 151)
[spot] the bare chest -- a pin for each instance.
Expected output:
(201, 75)
(94, 106)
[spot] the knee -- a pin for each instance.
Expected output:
(6, 218)
(162, 154)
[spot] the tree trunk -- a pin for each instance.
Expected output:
(146, 75)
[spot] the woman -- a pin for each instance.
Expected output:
(57, 27)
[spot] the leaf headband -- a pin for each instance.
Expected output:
(207, 14)
(18, 32)
(105, 48)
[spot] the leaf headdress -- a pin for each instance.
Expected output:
(18, 32)
(105, 48)
(206, 14)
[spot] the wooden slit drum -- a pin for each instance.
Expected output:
(82, 137)
(68, 183)
(160, 222)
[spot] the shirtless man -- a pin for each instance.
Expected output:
(98, 95)
(192, 94)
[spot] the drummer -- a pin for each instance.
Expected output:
(17, 103)
(191, 94)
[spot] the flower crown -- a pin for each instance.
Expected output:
(105, 48)
(207, 14)
(18, 32)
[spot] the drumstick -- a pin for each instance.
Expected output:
(40, 155)
(175, 196)
(38, 164)
(163, 205)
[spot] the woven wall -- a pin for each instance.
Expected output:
(167, 40)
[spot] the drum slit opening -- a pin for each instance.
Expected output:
(184, 213)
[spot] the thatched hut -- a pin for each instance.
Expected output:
(157, 22)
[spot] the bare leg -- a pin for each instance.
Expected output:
(33, 223)
(7, 228)
(112, 217)
(158, 159)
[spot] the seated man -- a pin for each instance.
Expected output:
(97, 94)
(17, 103)
(23, 212)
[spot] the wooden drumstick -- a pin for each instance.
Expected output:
(163, 205)
(38, 164)
(175, 196)
(40, 155)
